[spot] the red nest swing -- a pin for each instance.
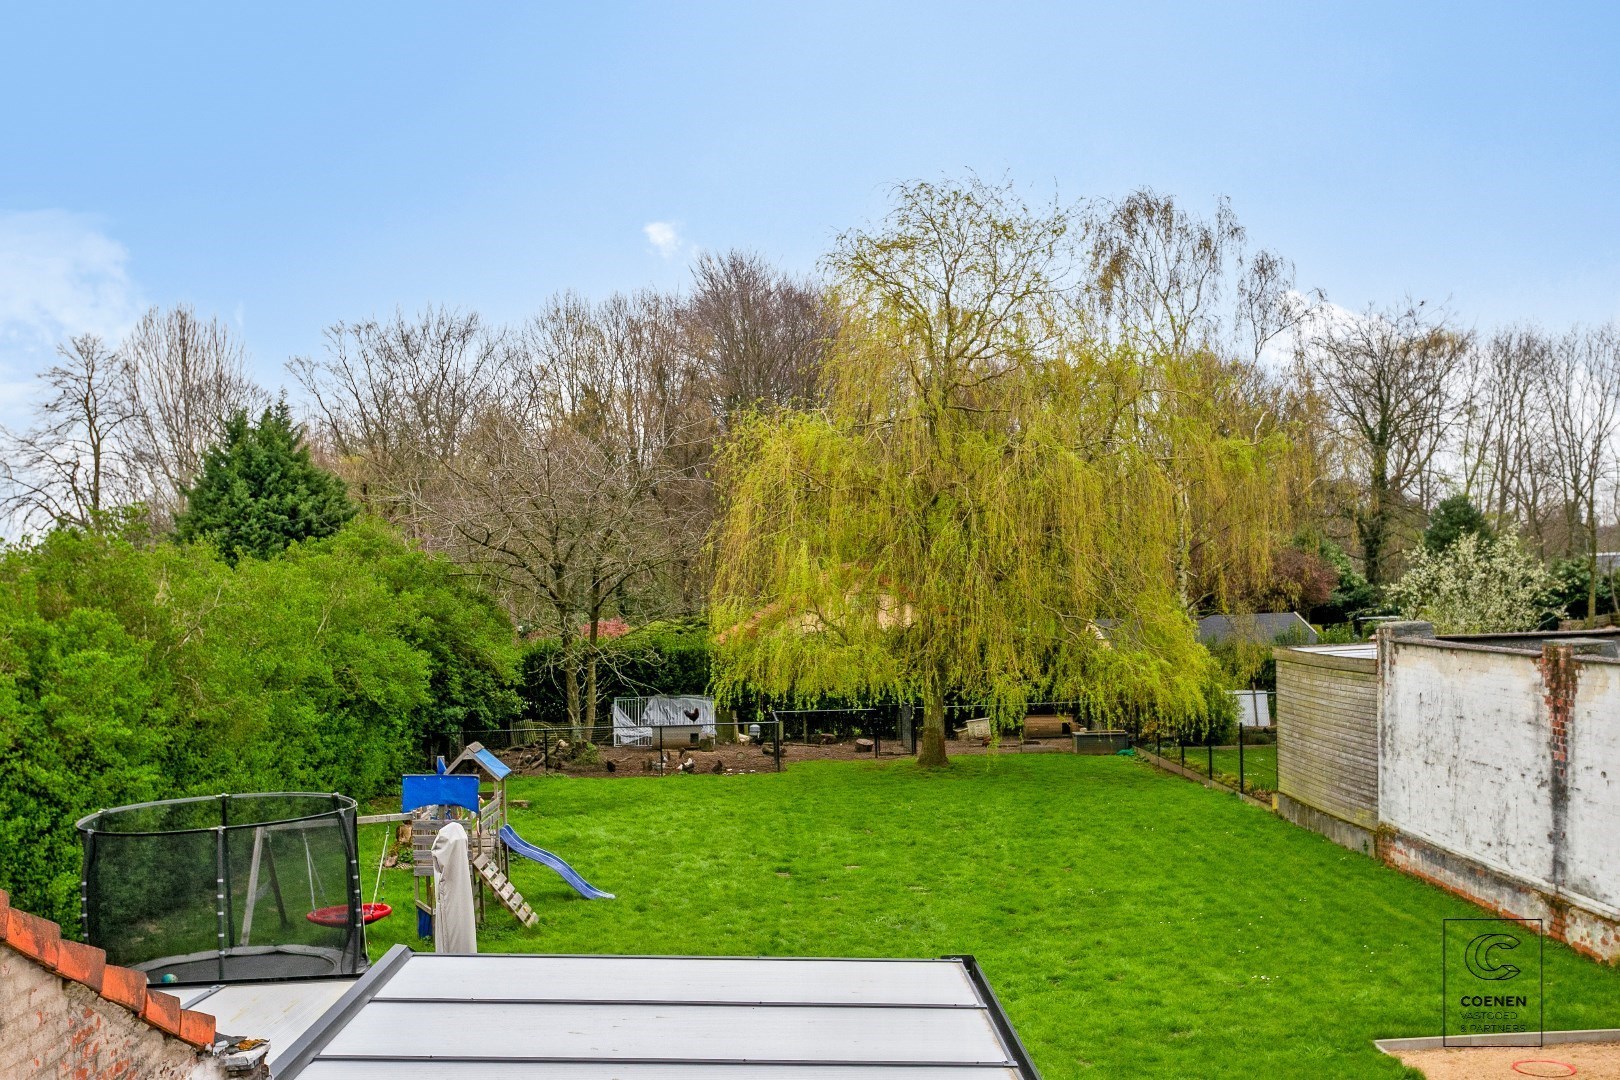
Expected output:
(338, 914)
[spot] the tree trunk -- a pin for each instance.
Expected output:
(1591, 563)
(931, 751)
(1184, 552)
(1372, 525)
(590, 685)
(570, 661)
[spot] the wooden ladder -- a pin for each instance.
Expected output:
(504, 890)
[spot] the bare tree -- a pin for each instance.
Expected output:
(393, 400)
(1167, 281)
(598, 388)
(1391, 380)
(756, 336)
(540, 459)
(69, 467)
(1506, 469)
(181, 379)
(1580, 396)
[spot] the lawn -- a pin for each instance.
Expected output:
(1133, 924)
(1259, 764)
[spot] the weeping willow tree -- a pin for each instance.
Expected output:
(974, 512)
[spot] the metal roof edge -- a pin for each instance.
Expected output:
(305, 1048)
(998, 1016)
(688, 956)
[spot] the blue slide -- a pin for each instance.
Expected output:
(516, 843)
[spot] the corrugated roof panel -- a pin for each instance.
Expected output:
(1358, 650)
(662, 1018)
(691, 1033)
(696, 979)
(277, 1011)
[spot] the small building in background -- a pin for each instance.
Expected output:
(1261, 628)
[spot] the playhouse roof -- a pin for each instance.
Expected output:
(484, 760)
(419, 1015)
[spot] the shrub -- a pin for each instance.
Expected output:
(1475, 586)
(130, 673)
(668, 657)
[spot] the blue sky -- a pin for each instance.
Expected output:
(287, 166)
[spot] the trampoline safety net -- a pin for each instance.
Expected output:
(221, 888)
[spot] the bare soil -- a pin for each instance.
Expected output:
(740, 759)
(1590, 1061)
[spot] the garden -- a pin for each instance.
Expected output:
(1133, 924)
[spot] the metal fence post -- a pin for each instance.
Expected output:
(545, 750)
(1209, 752)
(1183, 741)
(779, 746)
(1240, 756)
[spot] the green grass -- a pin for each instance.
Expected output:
(1133, 924)
(1259, 764)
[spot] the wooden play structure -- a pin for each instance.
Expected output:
(471, 790)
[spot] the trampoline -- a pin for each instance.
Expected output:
(226, 888)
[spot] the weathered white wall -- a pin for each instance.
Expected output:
(1465, 761)
(1592, 859)
(1468, 759)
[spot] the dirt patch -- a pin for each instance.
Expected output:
(734, 759)
(1589, 1061)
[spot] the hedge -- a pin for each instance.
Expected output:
(130, 673)
(668, 657)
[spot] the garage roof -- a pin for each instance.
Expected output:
(416, 1015)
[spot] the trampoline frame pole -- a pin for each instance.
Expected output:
(348, 821)
(219, 893)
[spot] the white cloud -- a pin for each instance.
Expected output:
(1279, 352)
(665, 237)
(60, 275)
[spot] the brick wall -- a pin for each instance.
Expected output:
(50, 1027)
(65, 1012)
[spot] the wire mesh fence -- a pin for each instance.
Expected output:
(606, 749)
(1245, 760)
(1247, 763)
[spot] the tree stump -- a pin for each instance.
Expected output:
(863, 746)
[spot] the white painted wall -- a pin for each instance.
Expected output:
(1592, 858)
(1463, 759)
(1466, 764)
